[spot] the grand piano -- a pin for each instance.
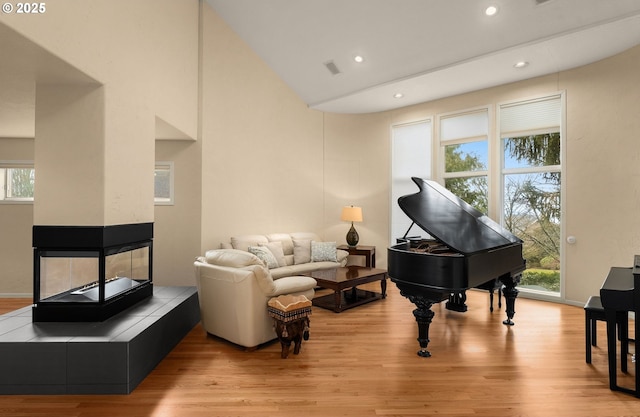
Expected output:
(466, 249)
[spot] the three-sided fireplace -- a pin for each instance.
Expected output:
(90, 273)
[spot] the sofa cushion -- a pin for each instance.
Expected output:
(301, 251)
(276, 249)
(296, 246)
(231, 258)
(285, 239)
(323, 251)
(265, 255)
(292, 285)
(342, 256)
(243, 242)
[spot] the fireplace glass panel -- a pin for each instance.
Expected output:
(61, 272)
(74, 276)
(132, 264)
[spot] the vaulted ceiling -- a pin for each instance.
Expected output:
(423, 49)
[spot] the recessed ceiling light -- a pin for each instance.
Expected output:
(358, 58)
(491, 10)
(521, 64)
(398, 95)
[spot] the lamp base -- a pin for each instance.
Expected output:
(352, 236)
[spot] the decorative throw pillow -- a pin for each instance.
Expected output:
(265, 255)
(323, 251)
(276, 251)
(301, 251)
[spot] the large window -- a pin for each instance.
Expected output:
(511, 170)
(17, 180)
(530, 136)
(410, 157)
(464, 151)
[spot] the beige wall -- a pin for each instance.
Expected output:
(177, 227)
(263, 162)
(70, 161)
(146, 49)
(144, 54)
(356, 166)
(16, 257)
(262, 148)
(602, 170)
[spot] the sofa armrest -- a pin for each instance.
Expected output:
(237, 275)
(342, 256)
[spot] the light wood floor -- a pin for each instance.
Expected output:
(363, 362)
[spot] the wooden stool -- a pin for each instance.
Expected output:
(593, 311)
(291, 321)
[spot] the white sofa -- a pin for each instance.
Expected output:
(234, 285)
(296, 248)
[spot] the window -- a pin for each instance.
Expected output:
(511, 171)
(17, 179)
(410, 157)
(530, 136)
(163, 183)
(464, 152)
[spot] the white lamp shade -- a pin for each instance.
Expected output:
(351, 214)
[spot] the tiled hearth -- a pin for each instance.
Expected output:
(108, 357)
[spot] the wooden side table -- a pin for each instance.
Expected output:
(367, 251)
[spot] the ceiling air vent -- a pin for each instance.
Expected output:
(331, 66)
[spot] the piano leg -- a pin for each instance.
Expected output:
(611, 348)
(499, 288)
(510, 294)
(622, 318)
(424, 316)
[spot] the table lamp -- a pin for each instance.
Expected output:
(352, 214)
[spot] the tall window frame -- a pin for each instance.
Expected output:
(464, 154)
(411, 156)
(543, 118)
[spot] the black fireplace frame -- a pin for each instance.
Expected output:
(106, 240)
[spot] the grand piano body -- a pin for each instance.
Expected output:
(467, 250)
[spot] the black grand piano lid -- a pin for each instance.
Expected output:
(453, 221)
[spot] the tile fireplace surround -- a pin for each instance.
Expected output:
(108, 357)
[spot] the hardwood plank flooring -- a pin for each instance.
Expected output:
(363, 362)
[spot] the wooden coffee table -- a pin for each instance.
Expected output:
(341, 279)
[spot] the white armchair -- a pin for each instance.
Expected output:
(234, 287)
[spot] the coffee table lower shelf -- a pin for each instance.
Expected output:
(348, 298)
